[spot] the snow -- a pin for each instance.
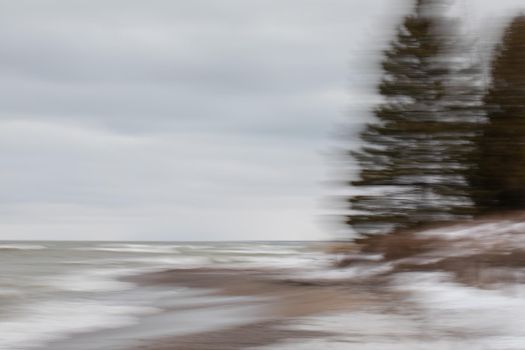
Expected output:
(438, 314)
(430, 310)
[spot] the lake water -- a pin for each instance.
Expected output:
(51, 290)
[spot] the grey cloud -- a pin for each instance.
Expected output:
(167, 119)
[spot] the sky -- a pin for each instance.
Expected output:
(186, 120)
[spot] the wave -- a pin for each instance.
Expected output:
(134, 248)
(175, 262)
(252, 252)
(21, 247)
(92, 280)
(54, 320)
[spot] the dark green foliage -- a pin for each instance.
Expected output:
(418, 150)
(499, 180)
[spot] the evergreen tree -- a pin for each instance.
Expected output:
(416, 153)
(499, 181)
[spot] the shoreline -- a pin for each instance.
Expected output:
(225, 308)
(405, 290)
(282, 300)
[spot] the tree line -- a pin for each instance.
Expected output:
(446, 143)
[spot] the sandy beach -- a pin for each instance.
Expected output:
(178, 295)
(444, 287)
(458, 286)
(281, 300)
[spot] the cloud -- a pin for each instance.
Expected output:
(62, 179)
(162, 119)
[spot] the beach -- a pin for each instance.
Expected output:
(458, 286)
(100, 295)
(279, 300)
(252, 307)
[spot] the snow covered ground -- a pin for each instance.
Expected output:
(433, 306)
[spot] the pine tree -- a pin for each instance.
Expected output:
(416, 152)
(499, 181)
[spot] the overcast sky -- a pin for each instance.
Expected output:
(183, 120)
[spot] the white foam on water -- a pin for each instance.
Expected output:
(21, 247)
(134, 248)
(70, 291)
(9, 292)
(53, 320)
(91, 280)
(249, 251)
(161, 262)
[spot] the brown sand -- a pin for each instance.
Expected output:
(480, 261)
(255, 334)
(287, 299)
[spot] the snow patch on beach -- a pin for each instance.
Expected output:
(469, 239)
(273, 262)
(495, 317)
(358, 330)
(437, 314)
(357, 272)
